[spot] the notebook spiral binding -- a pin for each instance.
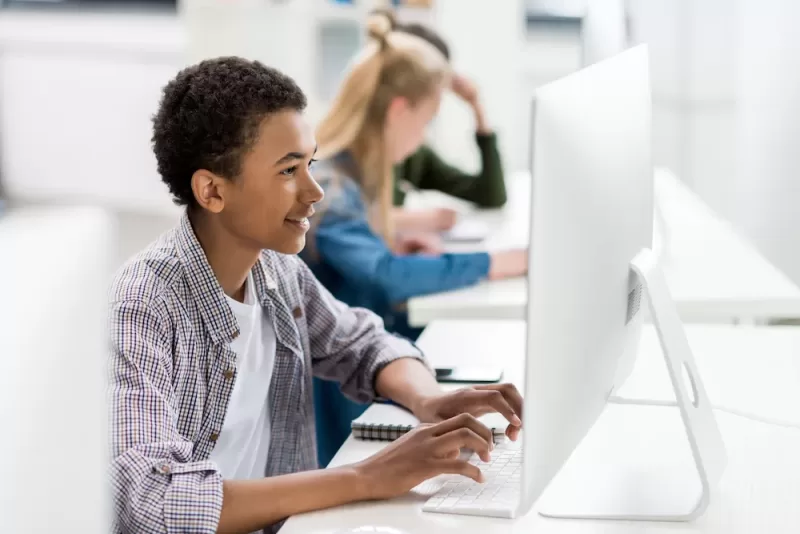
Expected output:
(379, 432)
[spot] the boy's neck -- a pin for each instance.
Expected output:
(230, 261)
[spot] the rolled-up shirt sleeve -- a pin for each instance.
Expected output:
(349, 345)
(156, 487)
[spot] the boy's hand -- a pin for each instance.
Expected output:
(476, 401)
(424, 453)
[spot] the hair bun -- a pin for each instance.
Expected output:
(379, 23)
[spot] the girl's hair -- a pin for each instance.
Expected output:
(415, 29)
(394, 63)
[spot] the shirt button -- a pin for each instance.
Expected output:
(228, 374)
(213, 437)
(164, 469)
(297, 313)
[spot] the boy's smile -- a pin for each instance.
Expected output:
(268, 204)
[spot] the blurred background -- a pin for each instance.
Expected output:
(80, 79)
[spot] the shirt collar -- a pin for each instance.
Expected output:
(217, 316)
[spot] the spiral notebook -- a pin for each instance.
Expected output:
(385, 422)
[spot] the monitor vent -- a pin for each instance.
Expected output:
(634, 302)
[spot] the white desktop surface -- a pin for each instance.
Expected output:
(714, 275)
(756, 369)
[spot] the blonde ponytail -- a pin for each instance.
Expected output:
(379, 25)
(393, 64)
(340, 127)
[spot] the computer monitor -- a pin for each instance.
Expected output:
(591, 230)
(54, 272)
(604, 30)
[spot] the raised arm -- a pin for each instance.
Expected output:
(486, 188)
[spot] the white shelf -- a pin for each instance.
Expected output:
(157, 33)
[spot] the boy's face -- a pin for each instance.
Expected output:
(268, 205)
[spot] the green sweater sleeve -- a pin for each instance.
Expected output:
(426, 170)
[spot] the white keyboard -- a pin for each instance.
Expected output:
(498, 496)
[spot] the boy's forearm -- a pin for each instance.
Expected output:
(251, 505)
(407, 382)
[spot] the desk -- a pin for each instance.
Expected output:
(751, 368)
(714, 275)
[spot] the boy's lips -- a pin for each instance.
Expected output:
(300, 216)
(300, 221)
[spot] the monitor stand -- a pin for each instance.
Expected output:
(637, 463)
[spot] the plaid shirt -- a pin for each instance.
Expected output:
(172, 371)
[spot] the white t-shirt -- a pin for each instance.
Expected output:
(242, 447)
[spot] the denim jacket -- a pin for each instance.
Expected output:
(357, 266)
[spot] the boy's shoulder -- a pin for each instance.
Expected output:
(150, 273)
(158, 277)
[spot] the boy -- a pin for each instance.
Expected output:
(217, 328)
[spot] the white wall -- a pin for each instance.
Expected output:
(726, 91)
(76, 98)
(768, 131)
(691, 43)
(280, 35)
(486, 39)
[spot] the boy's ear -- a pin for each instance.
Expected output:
(209, 190)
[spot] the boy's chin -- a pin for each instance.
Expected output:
(289, 246)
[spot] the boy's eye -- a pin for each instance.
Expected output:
(293, 169)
